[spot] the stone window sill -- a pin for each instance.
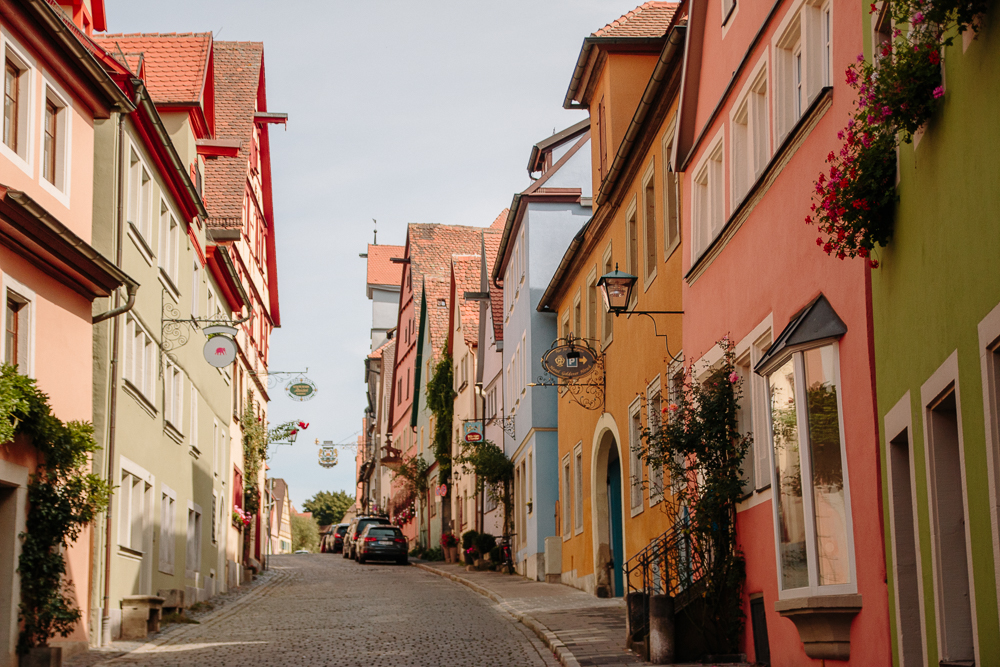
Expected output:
(823, 622)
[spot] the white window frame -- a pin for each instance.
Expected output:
(196, 289)
(813, 589)
(633, 246)
(59, 188)
(947, 375)
(566, 471)
(173, 396)
(168, 529)
(24, 158)
(142, 385)
(989, 340)
(607, 323)
(168, 251)
(193, 420)
(578, 488)
(635, 466)
(653, 422)
(139, 201)
(708, 212)
(26, 334)
(671, 195)
(800, 33)
(749, 153)
(195, 526)
(649, 246)
(127, 507)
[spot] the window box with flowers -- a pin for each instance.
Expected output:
(241, 519)
(898, 92)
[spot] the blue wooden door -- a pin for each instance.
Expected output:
(615, 521)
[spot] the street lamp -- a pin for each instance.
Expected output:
(617, 289)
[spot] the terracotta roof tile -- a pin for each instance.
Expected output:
(430, 247)
(237, 79)
(650, 19)
(466, 272)
(175, 63)
(380, 270)
(501, 220)
(377, 354)
(438, 289)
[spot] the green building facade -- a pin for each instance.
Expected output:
(936, 321)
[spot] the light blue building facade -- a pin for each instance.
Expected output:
(542, 221)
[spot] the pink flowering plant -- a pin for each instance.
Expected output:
(241, 519)
(897, 93)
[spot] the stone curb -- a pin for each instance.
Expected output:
(550, 638)
(168, 638)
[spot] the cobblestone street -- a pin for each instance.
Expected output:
(321, 609)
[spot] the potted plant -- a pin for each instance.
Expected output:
(449, 545)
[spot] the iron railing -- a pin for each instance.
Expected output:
(668, 566)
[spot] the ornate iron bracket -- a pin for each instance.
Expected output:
(506, 422)
(586, 391)
(175, 331)
(276, 377)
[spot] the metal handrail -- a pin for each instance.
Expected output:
(667, 566)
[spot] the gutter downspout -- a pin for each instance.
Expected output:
(113, 399)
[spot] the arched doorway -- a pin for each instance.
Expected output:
(609, 551)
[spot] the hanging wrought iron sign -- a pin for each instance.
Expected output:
(301, 389)
(473, 431)
(220, 348)
(328, 456)
(569, 361)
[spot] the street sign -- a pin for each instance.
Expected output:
(328, 456)
(474, 431)
(301, 389)
(442, 491)
(569, 362)
(220, 348)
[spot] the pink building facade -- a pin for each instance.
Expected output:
(762, 100)
(50, 275)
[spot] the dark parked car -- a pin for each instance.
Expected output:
(380, 542)
(337, 534)
(357, 525)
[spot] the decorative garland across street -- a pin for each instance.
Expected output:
(898, 92)
(63, 497)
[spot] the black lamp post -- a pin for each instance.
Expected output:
(617, 289)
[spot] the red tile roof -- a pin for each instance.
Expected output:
(175, 63)
(430, 247)
(237, 79)
(501, 220)
(377, 354)
(438, 289)
(466, 270)
(492, 238)
(380, 270)
(650, 19)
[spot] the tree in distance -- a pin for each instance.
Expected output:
(328, 507)
(305, 533)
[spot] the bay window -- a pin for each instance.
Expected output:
(812, 502)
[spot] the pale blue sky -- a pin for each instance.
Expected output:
(398, 111)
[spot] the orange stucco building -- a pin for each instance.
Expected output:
(610, 506)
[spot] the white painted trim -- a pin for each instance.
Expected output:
(605, 424)
(65, 128)
(26, 163)
(634, 476)
(896, 420)
(648, 178)
(989, 337)
(578, 515)
(653, 388)
(17, 476)
(936, 384)
(8, 282)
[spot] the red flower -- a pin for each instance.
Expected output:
(303, 425)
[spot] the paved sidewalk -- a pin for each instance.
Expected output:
(579, 628)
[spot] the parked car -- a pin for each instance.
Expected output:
(337, 537)
(357, 525)
(381, 542)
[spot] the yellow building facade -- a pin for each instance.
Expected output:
(611, 506)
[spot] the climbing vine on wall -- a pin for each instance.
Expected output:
(699, 444)
(63, 497)
(441, 401)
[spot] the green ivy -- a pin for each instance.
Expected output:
(441, 401)
(700, 446)
(63, 497)
(255, 441)
(493, 470)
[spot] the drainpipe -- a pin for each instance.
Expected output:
(113, 399)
